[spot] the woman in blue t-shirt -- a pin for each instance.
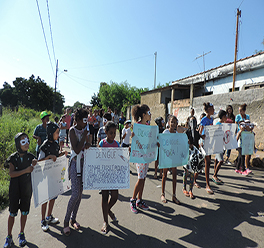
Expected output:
(206, 121)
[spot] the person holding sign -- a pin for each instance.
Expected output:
(109, 141)
(20, 164)
(79, 138)
(143, 114)
(173, 124)
(50, 149)
(219, 157)
(206, 121)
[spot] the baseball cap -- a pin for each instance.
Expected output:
(43, 114)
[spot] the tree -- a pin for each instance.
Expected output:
(32, 93)
(96, 101)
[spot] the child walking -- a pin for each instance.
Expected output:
(20, 166)
(50, 149)
(195, 165)
(142, 115)
(63, 127)
(173, 124)
(109, 141)
(126, 133)
(207, 120)
(219, 157)
(79, 138)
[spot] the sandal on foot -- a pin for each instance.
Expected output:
(112, 215)
(105, 228)
(216, 180)
(175, 200)
(66, 231)
(191, 195)
(209, 191)
(197, 185)
(155, 176)
(163, 199)
(75, 224)
(185, 192)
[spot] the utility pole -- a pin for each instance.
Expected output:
(203, 65)
(155, 69)
(54, 100)
(234, 72)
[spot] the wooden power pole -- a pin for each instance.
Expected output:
(234, 72)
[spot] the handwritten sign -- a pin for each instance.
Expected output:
(229, 130)
(50, 179)
(144, 147)
(173, 150)
(106, 168)
(248, 141)
(213, 142)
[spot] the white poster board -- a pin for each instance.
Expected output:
(50, 179)
(106, 168)
(229, 130)
(213, 142)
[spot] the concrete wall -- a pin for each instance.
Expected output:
(254, 98)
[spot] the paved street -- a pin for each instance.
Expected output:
(232, 217)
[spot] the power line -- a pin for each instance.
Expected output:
(45, 37)
(117, 62)
(51, 32)
(78, 82)
(83, 79)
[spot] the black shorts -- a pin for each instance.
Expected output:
(125, 145)
(91, 129)
(20, 197)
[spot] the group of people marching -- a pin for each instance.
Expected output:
(84, 129)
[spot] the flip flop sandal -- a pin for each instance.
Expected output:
(112, 215)
(75, 224)
(175, 200)
(209, 191)
(105, 228)
(163, 199)
(191, 195)
(216, 181)
(185, 192)
(197, 185)
(66, 231)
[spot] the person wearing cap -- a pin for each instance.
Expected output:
(126, 133)
(40, 132)
(101, 133)
(20, 164)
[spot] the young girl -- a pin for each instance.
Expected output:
(20, 166)
(230, 119)
(207, 120)
(126, 133)
(195, 165)
(63, 127)
(109, 141)
(173, 123)
(50, 150)
(143, 113)
(79, 138)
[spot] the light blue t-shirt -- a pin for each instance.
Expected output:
(240, 118)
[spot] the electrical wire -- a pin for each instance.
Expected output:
(117, 62)
(45, 38)
(83, 79)
(78, 82)
(51, 32)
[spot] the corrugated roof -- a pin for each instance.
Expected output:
(200, 73)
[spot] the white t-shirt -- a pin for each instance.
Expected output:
(128, 134)
(168, 131)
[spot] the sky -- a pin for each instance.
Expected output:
(104, 41)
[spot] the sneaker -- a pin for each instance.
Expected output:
(9, 242)
(44, 225)
(133, 206)
(238, 171)
(141, 204)
(248, 170)
(22, 239)
(244, 173)
(51, 220)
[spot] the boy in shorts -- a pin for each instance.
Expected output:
(20, 166)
